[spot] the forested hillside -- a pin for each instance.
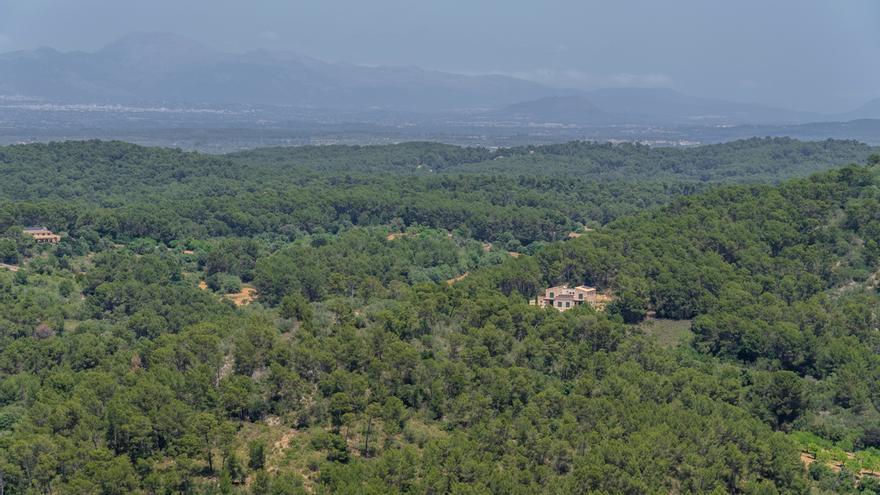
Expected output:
(254, 326)
(750, 160)
(535, 194)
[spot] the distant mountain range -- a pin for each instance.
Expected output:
(151, 68)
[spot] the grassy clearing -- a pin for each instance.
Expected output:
(668, 333)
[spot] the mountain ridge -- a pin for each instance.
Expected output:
(148, 68)
(162, 67)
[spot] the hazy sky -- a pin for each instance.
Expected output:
(806, 54)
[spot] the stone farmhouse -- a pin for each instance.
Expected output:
(42, 235)
(563, 297)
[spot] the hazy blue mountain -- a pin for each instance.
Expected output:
(870, 110)
(167, 68)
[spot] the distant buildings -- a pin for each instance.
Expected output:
(563, 297)
(42, 235)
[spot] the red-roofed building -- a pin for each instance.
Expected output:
(42, 235)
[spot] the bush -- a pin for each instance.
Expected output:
(257, 455)
(8, 251)
(296, 306)
(630, 307)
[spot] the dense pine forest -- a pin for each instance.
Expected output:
(356, 320)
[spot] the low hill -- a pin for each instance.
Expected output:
(645, 106)
(661, 105)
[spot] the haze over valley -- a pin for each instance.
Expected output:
(160, 88)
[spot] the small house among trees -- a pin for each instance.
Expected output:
(563, 297)
(42, 235)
